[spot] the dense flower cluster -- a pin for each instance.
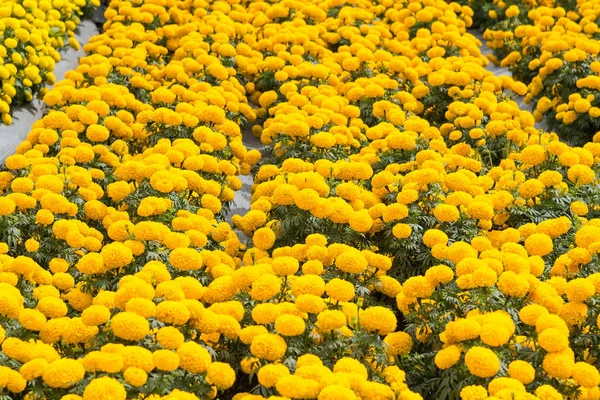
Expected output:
(401, 143)
(32, 33)
(552, 47)
(411, 234)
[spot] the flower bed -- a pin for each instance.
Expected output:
(554, 50)
(411, 234)
(31, 35)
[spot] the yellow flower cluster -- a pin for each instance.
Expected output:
(31, 35)
(408, 225)
(469, 191)
(547, 46)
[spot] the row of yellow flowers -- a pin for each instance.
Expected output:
(451, 179)
(552, 47)
(120, 277)
(411, 234)
(32, 33)
(113, 220)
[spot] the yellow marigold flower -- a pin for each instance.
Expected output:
(264, 238)
(559, 365)
(547, 392)
(22, 185)
(494, 335)
(7, 206)
(144, 307)
(308, 359)
(175, 240)
(553, 340)
(547, 321)
(118, 190)
(33, 369)
(32, 245)
(579, 208)
(531, 188)
(482, 362)
(129, 326)
(149, 230)
(585, 375)
(373, 91)
(235, 309)
(313, 267)
(473, 392)
(447, 357)
(534, 155)
(388, 286)
(289, 325)
(401, 231)
(63, 281)
(284, 266)
(269, 346)
(521, 371)
(399, 343)
(170, 337)
(193, 357)
(265, 287)
(360, 221)
(292, 386)
(574, 313)
(104, 387)
(579, 290)
(351, 261)
(378, 319)
(512, 11)
(395, 212)
(135, 377)
(581, 174)
(439, 274)
(265, 313)
(309, 303)
(165, 360)
(116, 255)
(352, 366)
(297, 128)
(52, 307)
(186, 259)
(330, 320)
(538, 244)
(305, 199)
(324, 140)
(95, 315)
(418, 286)
(433, 237)
(221, 375)
(44, 217)
(284, 194)
(502, 384)
(97, 133)
(480, 210)
(63, 373)
(340, 290)
(587, 235)
(32, 319)
(512, 284)
(172, 312)
(446, 213)
(247, 334)
(270, 374)
(267, 98)
(308, 284)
